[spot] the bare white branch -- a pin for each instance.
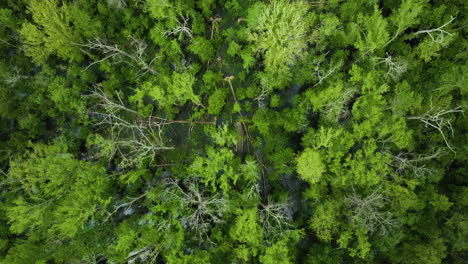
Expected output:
(200, 210)
(395, 67)
(181, 29)
(135, 140)
(405, 161)
(275, 217)
(439, 119)
(337, 108)
(14, 78)
(369, 212)
(262, 96)
(323, 75)
(118, 55)
(119, 4)
(437, 34)
(126, 205)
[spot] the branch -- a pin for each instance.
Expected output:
(438, 120)
(181, 29)
(439, 31)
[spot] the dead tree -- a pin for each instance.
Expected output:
(395, 67)
(148, 254)
(337, 108)
(119, 4)
(214, 22)
(262, 96)
(199, 209)
(127, 206)
(322, 74)
(275, 218)
(369, 212)
(181, 29)
(415, 163)
(14, 78)
(439, 119)
(135, 137)
(136, 58)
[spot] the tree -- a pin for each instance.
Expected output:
(310, 166)
(135, 140)
(199, 211)
(137, 59)
(374, 32)
(55, 193)
(368, 212)
(437, 119)
(51, 33)
(279, 33)
(247, 232)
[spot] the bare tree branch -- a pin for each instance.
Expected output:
(181, 29)
(414, 162)
(439, 32)
(275, 218)
(200, 210)
(368, 212)
(438, 119)
(395, 67)
(115, 53)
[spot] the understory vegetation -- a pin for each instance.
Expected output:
(233, 131)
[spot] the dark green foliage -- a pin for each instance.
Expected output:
(235, 131)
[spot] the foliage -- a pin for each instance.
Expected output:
(237, 131)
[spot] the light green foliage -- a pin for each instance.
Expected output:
(56, 192)
(176, 89)
(325, 221)
(66, 99)
(216, 102)
(407, 15)
(247, 231)
(375, 34)
(279, 32)
(237, 131)
(216, 162)
(362, 246)
(51, 33)
(365, 167)
(202, 48)
(310, 166)
(279, 251)
(222, 136)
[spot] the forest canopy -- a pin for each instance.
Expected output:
(233, 131)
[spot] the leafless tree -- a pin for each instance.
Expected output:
(337, 108)
(395, 67)
(439, 119)
(415, 163)
(275, 217)
(369, 212)
(214, 22)
(135, 59)
(437, 34)
(148, 254)
(200, 210)
(262, 96)
(135, 137)
(181, 29)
